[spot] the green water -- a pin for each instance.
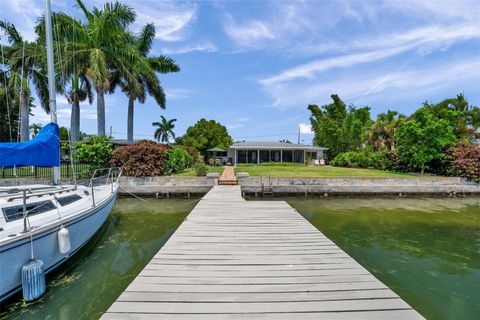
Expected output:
(426, 250)
(88, 284)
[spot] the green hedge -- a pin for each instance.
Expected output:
(366, 158)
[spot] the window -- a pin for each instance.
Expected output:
(252, 156)
(16, 212)
(264, 155)
(68, 199)
(275, 156)
(241, 156)
(298, 156)
(287, 156)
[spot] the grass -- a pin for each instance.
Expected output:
(295, 170)
(191, 173)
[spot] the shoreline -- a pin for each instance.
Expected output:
(171, 186)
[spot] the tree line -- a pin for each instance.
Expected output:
(94, 56)
(422, 141)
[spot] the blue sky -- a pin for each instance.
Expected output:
(254, 66)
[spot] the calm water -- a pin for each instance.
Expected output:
(87, 285)
(426, 250)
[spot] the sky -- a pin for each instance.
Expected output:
(255, 66)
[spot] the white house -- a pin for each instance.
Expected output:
(272, 151)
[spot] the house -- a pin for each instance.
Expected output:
(272, 151)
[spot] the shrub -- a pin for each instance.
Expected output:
(192, 152)
(178, 160)
(466, 161)
(366, 158)
(143, 159)
(96, 151)
(200, 169)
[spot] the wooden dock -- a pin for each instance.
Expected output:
(238, 259)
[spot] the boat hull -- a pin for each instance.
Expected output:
(45, 245)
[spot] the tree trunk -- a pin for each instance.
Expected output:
(131, 105)
(24, 114)
(75, 120)
(100, 112)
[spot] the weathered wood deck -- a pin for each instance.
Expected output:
(237, 259)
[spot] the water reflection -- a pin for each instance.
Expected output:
(87, 285)
(427, 250)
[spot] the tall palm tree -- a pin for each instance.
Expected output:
(35, 128)
(142, 84)
(164, 130)
(100, 46)
(26, 65)
(382, 132)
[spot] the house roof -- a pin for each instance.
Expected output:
(273, 145)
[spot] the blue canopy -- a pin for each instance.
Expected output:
(41, 151)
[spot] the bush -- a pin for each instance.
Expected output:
(96, 151)
(143, 159)
(200, 169)
(366, 158)
(466, 161)
(192, 152)
(178, 160)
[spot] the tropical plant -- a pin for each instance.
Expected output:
(200, 169)
(142, 159)
(164, 130)
(381, 134)
(26, 65)
(365, 158)
(137, 89)
(35, 129)
(178, 160)
(207, 134)
(8, 109)
(424, 139)
(96, 151)
(337, 128)
(99, 47)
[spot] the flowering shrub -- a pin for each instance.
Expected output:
(143, 159)
(466, 161)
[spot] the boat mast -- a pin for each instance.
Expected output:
(51, 77)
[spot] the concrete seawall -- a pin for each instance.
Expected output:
(167, 186)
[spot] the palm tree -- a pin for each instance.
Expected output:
(137, 89)
(164, 130)
(26, 64)
(99, 47)
(382, 132)
(35, 128)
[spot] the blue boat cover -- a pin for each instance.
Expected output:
(41, 151)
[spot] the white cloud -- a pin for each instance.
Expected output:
(171, 18)
(248, 34)
(201, 47)
(414, 82)
(178, 94)
(24, 14)
(305, 128)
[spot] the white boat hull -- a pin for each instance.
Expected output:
(45, 244)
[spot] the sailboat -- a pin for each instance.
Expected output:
(42, 226)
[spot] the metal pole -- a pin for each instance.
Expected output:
(51, 77)
(25, 211)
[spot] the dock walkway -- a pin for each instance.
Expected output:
(238, 259)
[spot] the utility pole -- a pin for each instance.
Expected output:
(298, 135)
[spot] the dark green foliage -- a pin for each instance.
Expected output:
(178, 159)
(201, 169)
(143, 159)
(206, 134)
(337, 128)
(365, 158)
(424, 139)
(96, 151)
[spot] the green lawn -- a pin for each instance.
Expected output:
(300, 170)
(190, 172)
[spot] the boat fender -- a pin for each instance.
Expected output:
(33, 280)
(64, 240)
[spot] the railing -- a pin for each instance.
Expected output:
(79, 169)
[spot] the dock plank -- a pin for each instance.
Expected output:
(238, 259)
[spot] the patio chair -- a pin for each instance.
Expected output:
(211, 162)
(218, 162)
